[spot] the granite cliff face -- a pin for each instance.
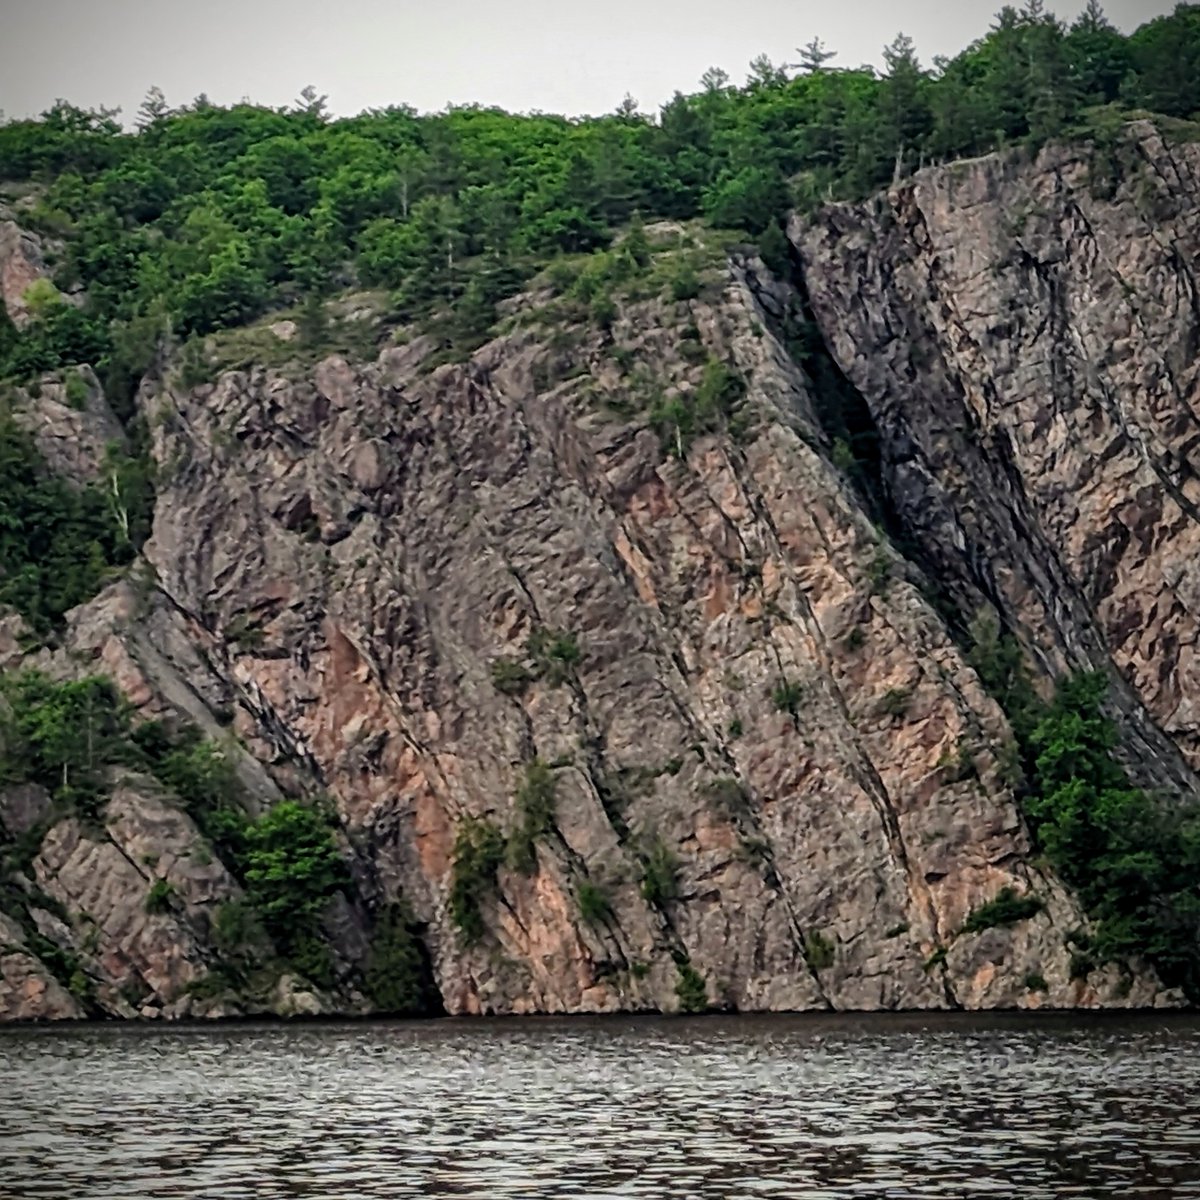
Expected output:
(1027, 341)
(424, 590)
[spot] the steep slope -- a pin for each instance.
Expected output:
(610, 673)
(1025, 336)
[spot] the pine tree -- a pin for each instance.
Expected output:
(814, 56)
(1005, 83)
(311, 104)
(153, 109)
(1099, 56)
(1166, 57)
(905, 110)
(627, 110)
(1092, 19)
(765, 74)
(1051, 90)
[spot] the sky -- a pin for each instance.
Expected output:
(523, 55)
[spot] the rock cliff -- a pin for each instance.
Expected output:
(724, 729)
(1026, 340)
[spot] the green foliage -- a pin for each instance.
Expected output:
(564, 649)
(82, 987)
(843, 456)
(41, 298)
(594, 905)
(1164, 56)
(757, 852)
(291, 867)
(879, 571)
(63, 736)
(509, 677)
(680, 418)
(127, 481)
(660, 874)
(720, 389)
(62, 963)
(160, 896)
(535, 816)
(554, 655)
(1035, 981)
(998, 659)
(76, 390)
(685, 283)
(819, 950)
(634, 245)
(17, 855)
(1082, 964)
(195, 368)
(1132, 859)
(897, 930)
(58, 541)
(235, 927)
(67, 737)
(729, 797)
(478, 853)
(244, 634)
(786, 696)
(958, 764)
(936, 959)
(305, 950)
(1007, 908)
(209, 216)
(201, 775)
(774, 250)
(58, 336)
(218, 982)
(603, 310)
(894, 702)
(690, 988)
(397, 976)
(751, 198)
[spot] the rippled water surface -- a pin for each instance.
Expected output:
(813, 1107)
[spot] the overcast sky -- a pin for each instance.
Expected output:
(548, 55)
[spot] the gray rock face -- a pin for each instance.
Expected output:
(28, 991)
(23, 807)
(412, 585)
(388, 534)
(74, 441)
(1026, 339)
(22, 264)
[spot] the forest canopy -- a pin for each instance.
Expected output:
(205, 217)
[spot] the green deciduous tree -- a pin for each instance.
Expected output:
(291, 865)
(62, 736)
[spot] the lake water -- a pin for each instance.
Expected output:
(814, 1107)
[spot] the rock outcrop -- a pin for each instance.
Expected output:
(421, 589)
(1026, 337)
(22, 264)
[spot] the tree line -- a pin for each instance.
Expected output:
(206, 217)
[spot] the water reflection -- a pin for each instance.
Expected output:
(807, 1107)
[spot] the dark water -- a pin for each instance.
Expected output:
(810, 1107)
